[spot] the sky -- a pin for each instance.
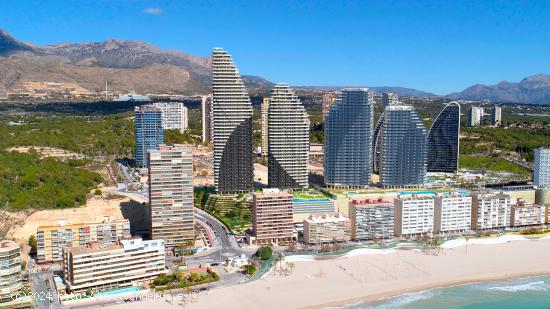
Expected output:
(435, 46)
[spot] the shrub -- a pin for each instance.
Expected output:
(264, 253)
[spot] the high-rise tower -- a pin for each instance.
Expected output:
(443, 140)
(288, 140)
(231, 127)
(206, 111)
(149, 133)
(263, 120)
(348, 139)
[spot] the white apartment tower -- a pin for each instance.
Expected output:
(11, 279)
(490, 211)
(231, 127)
(497, 116)
(414, 214)
(171, 195)
(264, 121)
(175, 115)
(475, 116)
(541, 168)
(453, 213)
(288, 140)
(206, 112)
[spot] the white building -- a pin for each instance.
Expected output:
(127, 263)
(10, 270)
(497, 116)
(206, 112)
(174, 115)
(490, 211)
(371, 219)
(525, 214)
(327, 228)
(453, 213)
(541, 168)
(263, 122)
(414, 214)
(475, 116)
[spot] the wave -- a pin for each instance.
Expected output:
(405, 299)
(531, 286)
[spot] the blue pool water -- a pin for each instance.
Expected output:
(118, 291)
(301, 200)
(528, 293)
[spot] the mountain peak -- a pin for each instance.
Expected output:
(9, 45)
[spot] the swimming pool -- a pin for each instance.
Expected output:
(118, 291)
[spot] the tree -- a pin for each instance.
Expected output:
(32, 242)
(264, 252)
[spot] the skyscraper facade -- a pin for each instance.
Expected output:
(443, 142)
(174, 115)
(149, 133)
(263, 120)
(541, 168)
(497, 116)
(231, 127)
(387, 100)
(206, 112)
(475, 116)
(348, 139)
(272, 216)
(171, 195)
(288, 140)
(403, 149)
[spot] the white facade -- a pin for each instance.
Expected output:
(10, 270)
(414, 215)
(130, 262)
(490, 211)
(475, 116)
(263, 121)
(175, 115)
(541, 168)
(526, 214)
(497, 116)
(453, 213)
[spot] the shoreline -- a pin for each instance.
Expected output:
(385, 296)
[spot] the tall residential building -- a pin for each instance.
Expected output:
(231, 127)
(490, 211)
(327, 228)
(264, 126)
(288, 141)
(453, 213)
(475, 116)
(443, 142)
(124, 264)
(526, 214)
(541, 168)
(11, 279)
(371, 219)
(414, 214)
(52, 239)
(272, 216)
(175, 115)
(171, 195)
(403, 149)
(388, 99)
(149, 133)
(497, 116)
(328, 100)
(348, 140)
(206, 112)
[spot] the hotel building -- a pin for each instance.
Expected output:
(453, 213)
(52, 239)
(414, 214)
(490, 211)
(206, 112)
(231, 127)
(174, 115)
(100, 267)
(327, 228)
(272, 216)
(10, 270)
(541, 168)
(525, 214)
(371, 219)
(348, 140)
(288, 142)
(171, 195)
(149, 133)
(443, 140)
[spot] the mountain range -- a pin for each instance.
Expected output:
(135, 65)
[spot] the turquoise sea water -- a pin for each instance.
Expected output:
(529, 293)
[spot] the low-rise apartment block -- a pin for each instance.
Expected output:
(10, 270)
(490, 211)
(525, 214)
(52, 239)
(327, 228)
(371, 219)
(453, 213)
(272, 216)
(414, 214)
(99, 267)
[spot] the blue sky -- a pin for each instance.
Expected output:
(437, 46)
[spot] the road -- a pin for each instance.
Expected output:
(43, 290)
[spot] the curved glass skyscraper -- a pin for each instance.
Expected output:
(231, 127)
(348, 140)
(403, 149)
(288, 140)
(443, 143)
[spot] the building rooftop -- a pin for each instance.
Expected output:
(124, 243)
(326, 218)
(8, 245)
(370, 202)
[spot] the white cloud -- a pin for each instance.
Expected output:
(153, 11)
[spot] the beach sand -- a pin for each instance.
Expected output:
(370, 277)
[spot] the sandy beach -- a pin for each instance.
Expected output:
(373, 276)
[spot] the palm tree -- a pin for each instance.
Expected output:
(291, 266)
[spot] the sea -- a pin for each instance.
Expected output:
(532, 293)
